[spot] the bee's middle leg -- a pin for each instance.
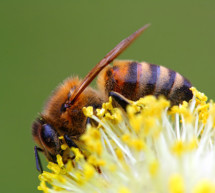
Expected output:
(119, 100)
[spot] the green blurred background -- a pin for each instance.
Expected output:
(44, 41)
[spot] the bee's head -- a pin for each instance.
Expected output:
(47, 138)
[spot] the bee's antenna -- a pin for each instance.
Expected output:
(104, 62)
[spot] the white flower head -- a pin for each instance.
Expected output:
(152, 148)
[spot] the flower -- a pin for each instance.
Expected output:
(151, 148)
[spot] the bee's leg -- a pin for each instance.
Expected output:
(69, 141)
(88, 121)
(91, 122)
(37, 158)
(119, 99)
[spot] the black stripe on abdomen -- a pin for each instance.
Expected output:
(166, 88)
(151, 84)
(129, 87)
(181, 93)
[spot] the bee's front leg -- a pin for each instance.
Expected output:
(37, 158)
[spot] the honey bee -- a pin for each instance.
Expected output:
(63, 116)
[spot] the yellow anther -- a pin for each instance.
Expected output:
(153, 167)
(88, 111)
(178, 147)
(69, 165)
(182, 110)
(124, 190)
(60, 161)
(64, 146)
(43, 187)
(200, 96)
(119, 154)
(138, 144)
(89, 171)
(176, 184)
(204, 186)
(93, 160)
(126, 137)
(54, 167)
(193, 144)
(78, 154)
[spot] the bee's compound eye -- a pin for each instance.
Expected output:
(49, 136)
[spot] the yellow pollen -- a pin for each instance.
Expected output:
(133, 109)
(106, 108)
(69, 166)
(110, 113)
(115, 115)
(78, 154)
(60, 161)
(108, 105)
(100, 112)
(61, 179)
(57, 188)
(178, 148)
(119, 154)
(126, 137)
(124, 190)
(92, 139)
(182, 110)
(93, 160)
(204, 186)
(79, 177)
(64, 146)
(136, 122)
(203, 112)
(43, 187)
(153, 167)
(193, 144)
(149, 123)
(212, 113)
(47, 177)
(138, 144)
(54, 167)
(89, 171)
(176, 184)
(200, 96)
(88, 111)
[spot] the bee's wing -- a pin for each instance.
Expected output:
(105, 61)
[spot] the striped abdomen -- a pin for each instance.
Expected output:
(135, 80)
